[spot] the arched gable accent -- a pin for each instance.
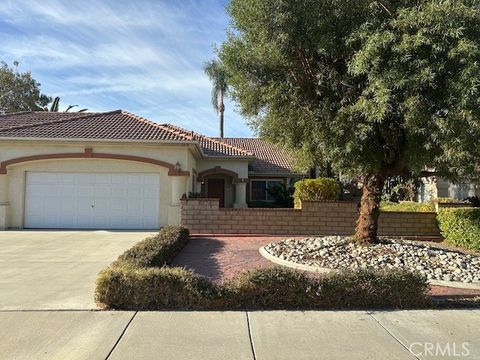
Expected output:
(89, 154)
(220, 170)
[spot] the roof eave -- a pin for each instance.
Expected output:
(103, 140)
(278, 174)
(230, 157)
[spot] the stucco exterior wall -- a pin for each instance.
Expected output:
(12, 212)
(239, 166)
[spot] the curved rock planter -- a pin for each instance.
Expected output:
(323, 270)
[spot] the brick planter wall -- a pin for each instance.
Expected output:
(203, 216)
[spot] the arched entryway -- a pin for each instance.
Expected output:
(225, 185)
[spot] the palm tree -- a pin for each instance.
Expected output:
(216, 72)
(55, 106)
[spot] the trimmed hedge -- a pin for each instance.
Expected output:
(261, 289)
(153, 289)
(407, 206)
(158, 250)
(140, 280)
(283, 288)
(461, 226)
(315, 190)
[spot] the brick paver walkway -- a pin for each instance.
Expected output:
(221, 257)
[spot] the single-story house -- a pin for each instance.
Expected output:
(437, 187)
(116, 170)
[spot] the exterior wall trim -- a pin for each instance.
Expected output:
(219, 170)
(89, 154)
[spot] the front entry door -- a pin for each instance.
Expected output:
(216, 189)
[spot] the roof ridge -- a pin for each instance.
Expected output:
(216, 140)
(240, 138)
(17, 112)
(149, 122)
(56, 121)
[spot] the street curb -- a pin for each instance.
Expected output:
(320, 270)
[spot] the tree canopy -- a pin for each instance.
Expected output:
(376, 88)
(19, 91)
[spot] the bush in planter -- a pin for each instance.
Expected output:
(474, 201)
(282, 195)
(461, 226)
(315, 190)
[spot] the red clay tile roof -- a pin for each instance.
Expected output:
(114, 125)
(269, 159)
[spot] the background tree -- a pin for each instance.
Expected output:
(376, 88)
(19, 91)
(55, 106)
(216, 72)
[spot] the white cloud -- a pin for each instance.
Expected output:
(143, 56)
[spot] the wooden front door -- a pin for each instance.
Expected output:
(216, 189)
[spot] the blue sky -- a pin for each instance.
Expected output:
(143, 56)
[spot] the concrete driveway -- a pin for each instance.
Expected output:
(56, 269)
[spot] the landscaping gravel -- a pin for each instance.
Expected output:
(336, 252)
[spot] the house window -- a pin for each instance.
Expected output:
(258, 189)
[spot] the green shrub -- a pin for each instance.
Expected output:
(153, 289)
(158, 250)
(407, 206)
(461, 226)
(315, 190)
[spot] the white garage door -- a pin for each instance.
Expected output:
(92, 200)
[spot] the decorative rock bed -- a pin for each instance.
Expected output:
(335, 252)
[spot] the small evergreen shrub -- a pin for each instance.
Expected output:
(315, 190)
(461, 226)
(407, 206)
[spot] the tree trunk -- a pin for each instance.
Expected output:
(221, 112)
(367, 223)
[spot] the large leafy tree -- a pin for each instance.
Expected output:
(19, 91)
(376, 88)
(218, 77)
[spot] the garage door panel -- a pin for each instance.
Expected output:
(92, 200)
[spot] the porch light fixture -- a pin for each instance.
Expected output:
(178, 167)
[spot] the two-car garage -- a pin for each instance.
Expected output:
(62, 200)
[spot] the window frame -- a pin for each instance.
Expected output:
(266, 180)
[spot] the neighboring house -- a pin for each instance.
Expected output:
(116, 170)
(436, 187)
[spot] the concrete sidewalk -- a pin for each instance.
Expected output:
(426, 334)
